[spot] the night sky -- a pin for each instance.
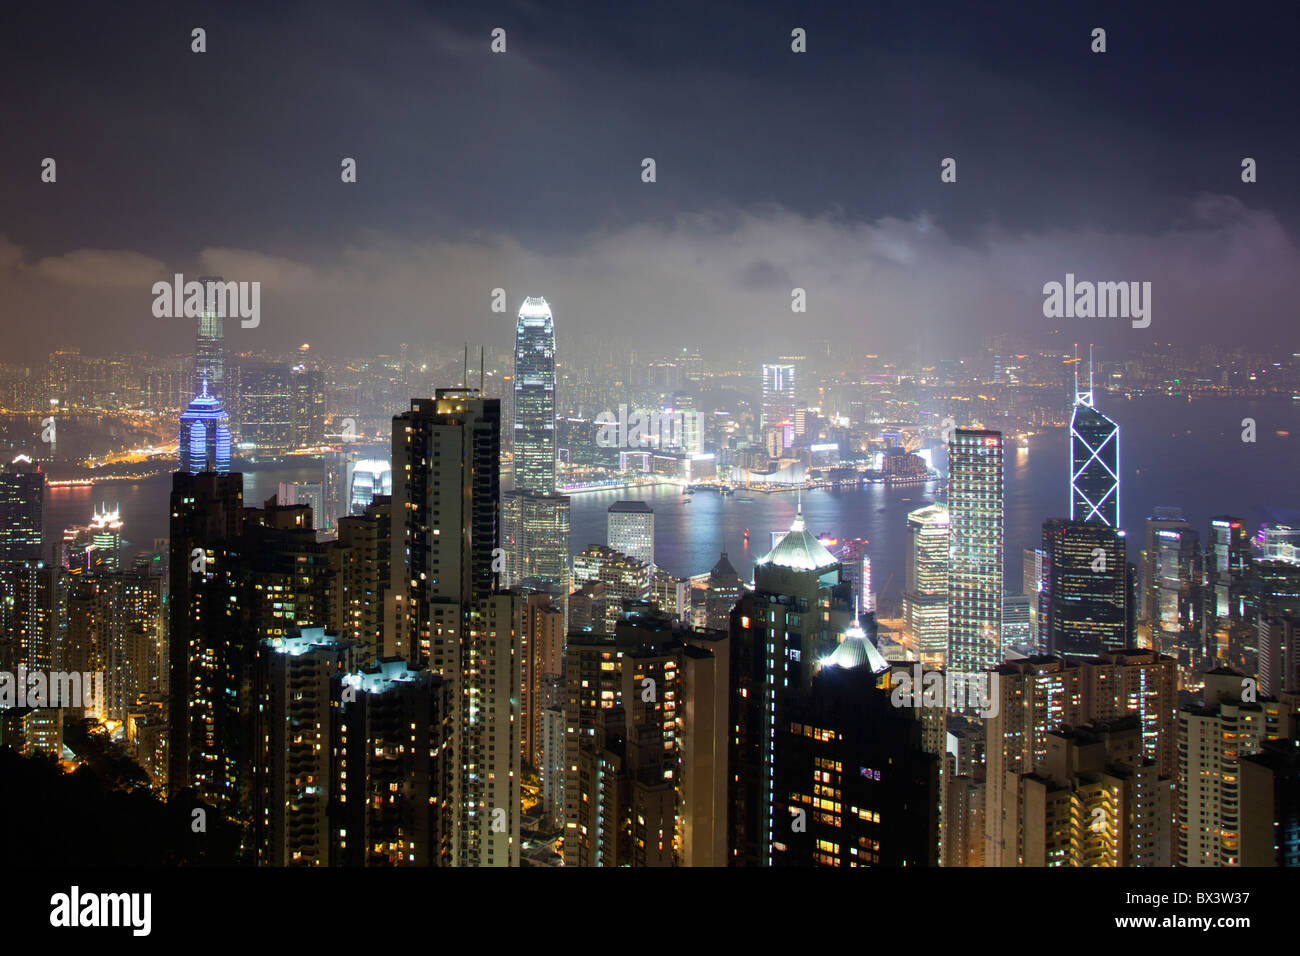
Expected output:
(522, 170)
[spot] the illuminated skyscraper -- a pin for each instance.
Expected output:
(856, 566)
(795, 616)
(449, 612)
(295, 755)
(1276, 541)
(106, 536)
(370, 477)
(535, 538)
(621, 747)
(541, 667)
(778, 397)
(33, 615)
(266, 419)
(1084, 605)
(1179, 597)
(360, 559)
(22, 492)
(1227, 565)
(394, 767)
(1093, 801)
(238, 575)
(534, 519)
(209, 342)
(975, 519)
(925, 590)
(630, 528)
(534, 388)
(724, 589)
(1163, 518)
(1031, 585)
(1094, 461)
(205, 435)
(843, 737)
(309, 493)
(1035, 698)
(1279, 655)
(1212, 740)
(205, 508)
(646, 714)
(623, 578)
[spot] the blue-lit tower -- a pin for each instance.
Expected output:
(205, 435)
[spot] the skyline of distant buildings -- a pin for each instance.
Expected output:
(471, 696)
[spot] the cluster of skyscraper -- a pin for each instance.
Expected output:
(1122, 732)
(438, 684)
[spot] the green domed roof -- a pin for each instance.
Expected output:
(856, 650)
(799, 550)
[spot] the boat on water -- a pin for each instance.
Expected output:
(745, 498)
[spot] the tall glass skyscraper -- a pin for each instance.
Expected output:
(1084, 604)
(534, 426)
(630, 528)
(974, 551)
(22, 493)
(535, 536)
(534, 519)
(925, 591)
(778, 395)
(451, 616)
(1094, 461)
(209, 343)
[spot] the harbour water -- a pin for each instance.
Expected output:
(1174, 452)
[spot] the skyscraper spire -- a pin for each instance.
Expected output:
(1082, 398)
(209, 340)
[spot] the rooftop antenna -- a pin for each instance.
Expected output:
(480, 371)
(464, 382)
(1082, 398)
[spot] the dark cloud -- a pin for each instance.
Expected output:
(522, 170)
